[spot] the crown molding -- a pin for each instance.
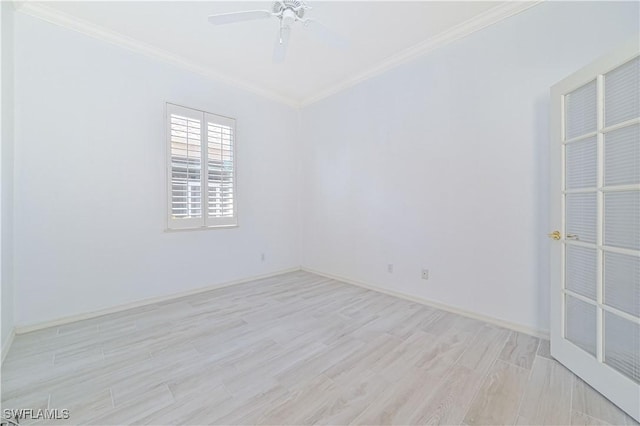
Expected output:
(49, 14)
(478, 22)
(483, 20)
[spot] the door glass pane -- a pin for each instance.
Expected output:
(581, 215)
(622, 219)
(622, 345)
(581, 164)
(622, 156)
(622, 282)
(580, 111)
(580, 324)
(622, 93)
(581, 270)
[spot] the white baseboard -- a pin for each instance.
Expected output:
(21, 329)
(6, 345)
(87, 315)
(544, 334)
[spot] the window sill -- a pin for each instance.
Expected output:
(200, 228)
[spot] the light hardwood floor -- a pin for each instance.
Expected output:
(295, 349)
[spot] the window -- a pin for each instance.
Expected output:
(201, 154)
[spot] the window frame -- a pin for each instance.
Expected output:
(203, 222)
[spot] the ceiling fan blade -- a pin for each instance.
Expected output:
(229, 18)
(282, 42)
(323, 34)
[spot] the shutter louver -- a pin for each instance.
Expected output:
(220, 170)
(186, 159)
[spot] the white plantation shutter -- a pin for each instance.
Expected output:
(185, 167)
(201, 169)
(220, 170)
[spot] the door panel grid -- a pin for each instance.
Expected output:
(621, 275)
(601, 209)
(595, 218)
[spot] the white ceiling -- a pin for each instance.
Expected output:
(381, 34)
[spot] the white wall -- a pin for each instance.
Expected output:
(439, 163)
(443, 163)
(90, 178)
(6, 173)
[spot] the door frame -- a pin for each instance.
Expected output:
(620, 389)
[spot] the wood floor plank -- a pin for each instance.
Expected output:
(355, 392)
(247, 411)
(90, 405)
(443, 350)
(301, 403)
(547, 399)
(450, 399)
(362, 360)
(498, 399)
(135, 409)
(293, 349)
(398, 402)
(578, 418)
(484, 348)
(319, 363)
(520, 349)
(395, 364)
(199, 409)
(590, 402)
(544, 349)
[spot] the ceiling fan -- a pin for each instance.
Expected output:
(288, 12)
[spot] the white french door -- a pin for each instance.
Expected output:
(595, 215)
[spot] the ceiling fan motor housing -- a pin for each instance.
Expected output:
(289, 9)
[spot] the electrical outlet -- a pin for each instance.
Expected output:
(425, 274)
(390, 268)
(262, 257)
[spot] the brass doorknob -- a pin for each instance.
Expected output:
(555, 235)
